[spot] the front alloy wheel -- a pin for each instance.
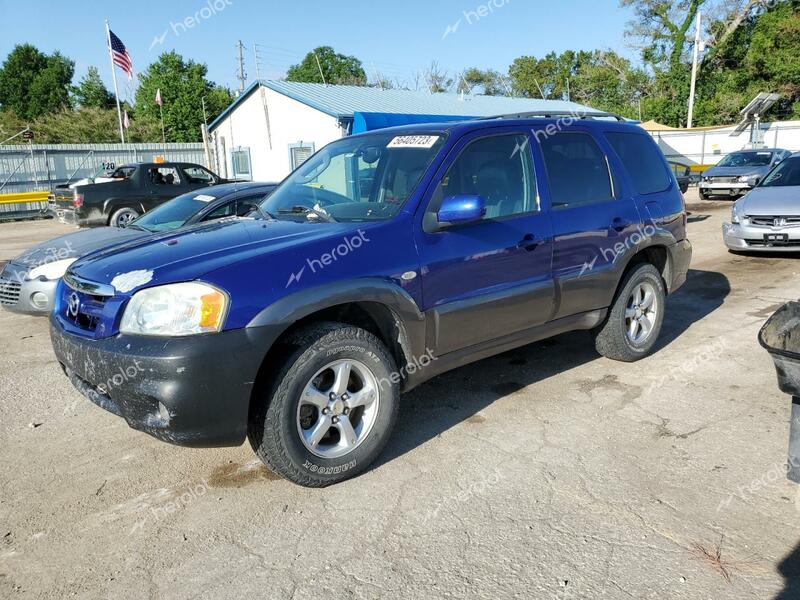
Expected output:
(337, 409)
(330, 408)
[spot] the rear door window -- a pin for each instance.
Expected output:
(642, 160)
(577, 170)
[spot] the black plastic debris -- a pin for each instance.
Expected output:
(781, 338)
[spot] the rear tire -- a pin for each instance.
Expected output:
(634, 321)
(331, 407)
(122, 217)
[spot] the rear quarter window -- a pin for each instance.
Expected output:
(642, 160)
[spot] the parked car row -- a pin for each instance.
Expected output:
(384, 260)
(28, 282)
(739, 172)
(127, 193)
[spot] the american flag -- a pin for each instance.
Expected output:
(119, 54)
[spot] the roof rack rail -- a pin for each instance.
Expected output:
(547, 114)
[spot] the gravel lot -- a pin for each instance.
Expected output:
(546, 472)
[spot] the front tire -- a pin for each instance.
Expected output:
(331, 407)
(122, 217)
(704, 196)
(634, 322)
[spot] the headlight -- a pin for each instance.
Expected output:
(749, 179)
(51, 270)
(734, 216)
(706, 179)
(175, 309)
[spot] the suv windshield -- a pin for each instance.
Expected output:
(363, 178)
(785, 174)
(173, 214)
(746, 159)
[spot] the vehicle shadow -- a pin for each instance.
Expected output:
(789, 568)
(457, 396)
(703, 293)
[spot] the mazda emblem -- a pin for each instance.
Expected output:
(73, 305)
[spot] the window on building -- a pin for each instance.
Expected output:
(240, 158)
(299, 153)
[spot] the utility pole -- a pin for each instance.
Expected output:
(697, 42)
(257, 62)
(241, 75)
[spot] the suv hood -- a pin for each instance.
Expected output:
(735, 171)
(781, 201)
(190, 253)
(76, 244)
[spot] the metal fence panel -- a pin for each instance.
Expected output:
(27, 168)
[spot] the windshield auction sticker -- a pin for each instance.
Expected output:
(413, 141)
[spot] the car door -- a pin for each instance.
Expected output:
(490, 278)
(592, 221)
(166, 182)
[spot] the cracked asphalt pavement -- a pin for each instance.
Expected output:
(546, 472)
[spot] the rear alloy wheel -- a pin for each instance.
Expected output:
(330, 409)
(122, 217)
(635, 319)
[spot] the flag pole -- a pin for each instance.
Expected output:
(114, 78)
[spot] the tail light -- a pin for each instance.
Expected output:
(77, 202)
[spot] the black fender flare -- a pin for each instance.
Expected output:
(409, 319)
(110, 205)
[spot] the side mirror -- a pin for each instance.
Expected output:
(464, 208)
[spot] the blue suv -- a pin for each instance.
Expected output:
(385, 259)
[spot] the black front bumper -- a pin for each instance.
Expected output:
(192, 391)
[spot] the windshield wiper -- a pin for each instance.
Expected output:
(305, 210)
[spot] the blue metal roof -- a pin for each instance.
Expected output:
(343, 101)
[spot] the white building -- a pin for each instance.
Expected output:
(273, 126)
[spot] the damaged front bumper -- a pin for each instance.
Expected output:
(192, 391)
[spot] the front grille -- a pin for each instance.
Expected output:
(776, 221)
(763, 244)
(89, 309)
(9, 291)
(723, 179)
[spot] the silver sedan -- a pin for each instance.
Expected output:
(768, 218)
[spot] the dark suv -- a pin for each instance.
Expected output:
(299, 327)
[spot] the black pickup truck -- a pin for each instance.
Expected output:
(130, 191)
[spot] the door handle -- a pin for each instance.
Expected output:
(529, 243)
(620, 224)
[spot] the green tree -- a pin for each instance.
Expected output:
(761, 54)
(33, 83)
(183, 86)
(91, 92)
(337, 68)
(488, 82)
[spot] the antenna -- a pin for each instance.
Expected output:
(751, 117)
(241, 75)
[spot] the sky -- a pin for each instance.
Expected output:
(393, 38)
